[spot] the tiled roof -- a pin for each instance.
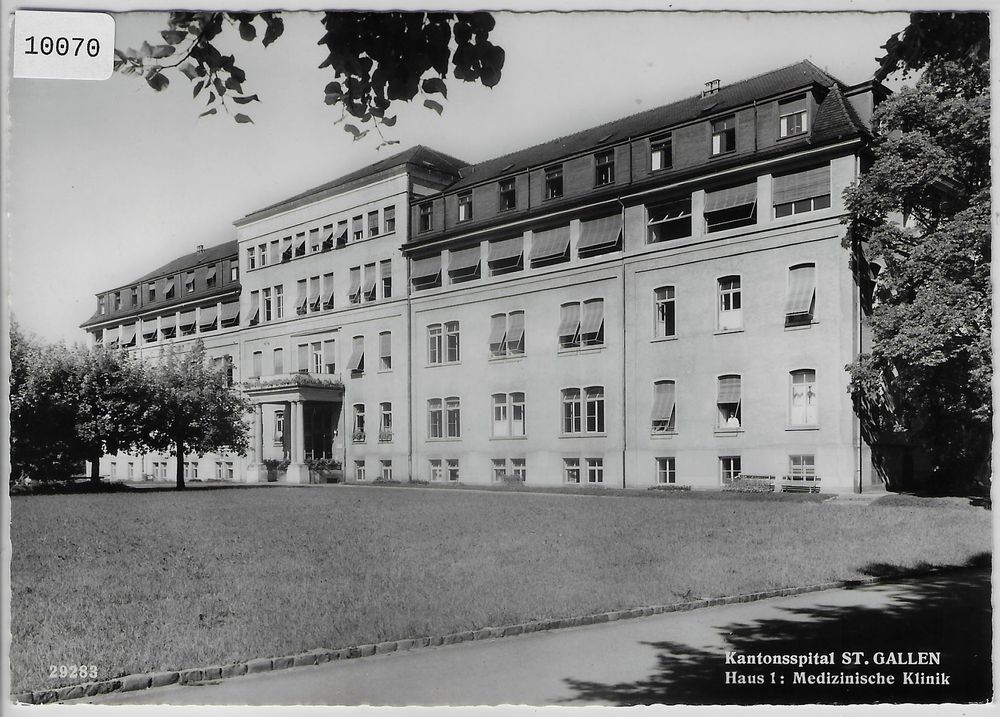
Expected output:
(189, 261)
(835, 117)
(775, 82)
(419, 156)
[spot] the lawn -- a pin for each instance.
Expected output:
(150, 580)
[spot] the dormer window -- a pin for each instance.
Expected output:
(508, 194)
(465, 206)
(793, 117)
(604, 168)
(661, 153)
(554, 182)
(724, 135)
(426, 217)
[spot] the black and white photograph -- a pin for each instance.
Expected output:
(537, 356)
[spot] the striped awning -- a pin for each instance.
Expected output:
(550, 243)
(187, 319)
(802, 185)
(300, 244)
(111, 336)
(506, 249)
(301, 301)
(230, 311)
(593, 317)
(369, 279)
(731, 197)
(128, 335)
(801, 288)
(314, 293)
(328, 294)
(303, 357)
(385, 344)
(729, 389)
(355, 286)
(425, 268)
(664, 398)
(208, 316)
(464, 259)
(254, 309)
(210, 273)
(600, 232)
(570, 322)
(515, 328)
(357, 356)
(148, 327)
(498, 329)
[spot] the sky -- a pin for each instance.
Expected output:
(108, 180)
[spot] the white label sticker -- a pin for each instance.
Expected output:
(63, 45)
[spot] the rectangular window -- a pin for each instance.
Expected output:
(661, 153)
(508, 194)
(326, 299)
(507, 334)
(262, 255)
(664, 407)
(330, 356)
(800, 296)
(258, 363)
(314, 238)
(731, 208)
(554, 182)
(385, 272)
(151, 291)
(435, 418)
(666, 470)
(300, 244)
(359, 470)
(452, 343)
(592, 323)
(465, 206)
(802, 468)
(498, 469)
(452, 466)
(730, 304)
(664, 312)
(267, 304)
(801, 192)
(278, 358)
(730, 468)
(594, 399)
(135, 295)
(354, 290)
(357, 228)
(286, 249)
(189, 282)
(234, 272)
(251, 259)
(670, 221)
(314, 298)
(371, 283)
(519, 467)
(793, 117)
(279, 427)
(506, 255)
(425, 221)
(453, 417)
(571, 470)
(272, 256)
(373, 224)
(425, 273)
(359, 423)
(302, 297)
(385, 351)
(572, 414)
(211, 275)
(595, 470)
(435, 468)
(356, 365)
(508, 415)
(604, 168)
(724, 135)
(168, 292)
(435, 344)
(389, 220)
(729, 403)
(464, 264)
(385, 422)
(803, 404)
(569, 325)
(118, 300)
(387, 470)
(316, 357)
(279, 301)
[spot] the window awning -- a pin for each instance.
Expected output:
(600, 232)
(187, 319)
(301, 301)
(210, 273)
(550, 243)
(370, 279)
(515, 328)
(669, 212)
(506, 249)
(329, 352)
(570, 320)
(732, 197)
(208, 316)
(303, 352)
(462, 260)
(664, 398)
(425, 268)
(357, 356)
(314, 294)
(384, 344)
(355, 286)
(498, 329)
(148, 327)
(254, 309)
(328, 294)
(801, 287)
(802, 185)
(729, 389)
(593, 317)
(111, 337)
(300, 245)
(128, 335)
(230, 311)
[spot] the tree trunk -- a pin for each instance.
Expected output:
(180, 465)
(95, 469)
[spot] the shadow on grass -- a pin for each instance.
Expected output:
(86, 487)
(933, 500)
(948, 614)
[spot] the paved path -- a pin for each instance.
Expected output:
(672, 658)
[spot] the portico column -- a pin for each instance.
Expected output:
(298, 471)
(256, 466)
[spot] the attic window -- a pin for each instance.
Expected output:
(793, 117)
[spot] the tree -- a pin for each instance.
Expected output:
(919, 229)
(377, 58)
(195, 409)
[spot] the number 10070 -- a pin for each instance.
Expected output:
(63, 46)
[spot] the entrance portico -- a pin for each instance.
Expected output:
(313, 413)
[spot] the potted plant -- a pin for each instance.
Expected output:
(325, 470)
(274, 467)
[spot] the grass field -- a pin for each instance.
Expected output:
(150, 580)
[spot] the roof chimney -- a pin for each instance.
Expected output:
(711, 87)
(200, 248)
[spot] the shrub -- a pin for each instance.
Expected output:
(744, 483)
(669, 487)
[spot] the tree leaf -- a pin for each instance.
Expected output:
(173, 37)
(198, 87)
(158, 52)
(157, 80)
(242, 119)
(274, 29)
(389, 121)
(432, 105)
(188, 70)
(246, 100)
(434, 85)
(247, 31)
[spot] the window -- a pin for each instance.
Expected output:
(508, 415)
(661, 153)
(802, 468)
(168, 330)
(316, 357)
(279, 301)
(118, 301)
(302, 300)
(211, 276)
(385, 422)
(452, 343)
(583, 410)
(131, 470)
(114, 469)
(730, 468)
(435, 338)
(595, 470)
(507, 334)
(356, 365)
(550, 246)
(801, 192)
(453, 417)
(279, 427)
(359, 470)
(452, 466)
(572, 411)
(190, 470)
(279, 361)
(373, 224)
(508, 194)
(600, 235)
(168, 292)
(329, 356)
(604, 168)
(554, 182)
(134, 295)
(666, 470)
(258, 363)
(724, 135)
(519, 467)
(464, 264)
(358, 434)
(465, 206)
(800, 301)
(506, 255)
(371, 283)
(327, 296)
(435, 466)
(664, 407)
(234, 272)
(425, 273)
(793, 117)
(314, 240)
(670, 221)
(228, 361)
(730, 304)
(594, 399)
(571, 470)
(262, 255)
(357, 228)
(354, 291)
(300, 244)
(267, 304)
(272, 256)
(102, 305)
(425, 220)
(581, 324)
(385, 351)
(435, 418)
(389, 220)
(664, 312)
(803, 406)
(385, 271)
(189, 283)
(286, 249)
(387, 470)
(499, 469)
(729, 403)
(251, 258)
(443, 345)
(151, 291)
(731, 208)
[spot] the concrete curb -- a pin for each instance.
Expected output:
(128, 683)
